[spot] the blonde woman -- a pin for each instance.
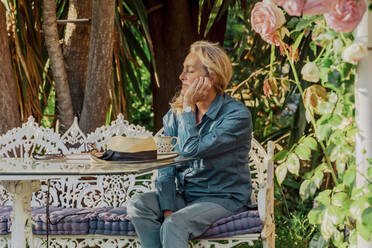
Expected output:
(217, 129)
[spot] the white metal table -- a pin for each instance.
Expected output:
(21, 177)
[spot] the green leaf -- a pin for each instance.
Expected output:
(345, 70)
(356, 193)
(293, 164)
(349, 176)
(369, 173)
(324, 197)
(363, 231)
(367, 218)
(292, 22)
(335, 121)
(338, 239)
(303, 152)
(356, 209)
(281, 173)
(339, 199)
(317, 241)
(280, 156)
(325, 108)
(353, 237)
(308, 174)
(369, 160)
(323, 167)
(323, 132)
(336, 215)
(212, 16)
(307, 189)
(298, 41)
(318, 178)
(369, 200)
(315, 215)
(340, 167)
(334, 81)
(311, 143)
(326, 62)
(302, 24)
(327, 227)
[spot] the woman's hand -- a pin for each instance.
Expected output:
(167, 213)
(198, 91)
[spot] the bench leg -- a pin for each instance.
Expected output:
(21, 192)
(269, 242)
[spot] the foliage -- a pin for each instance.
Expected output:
(324, 154)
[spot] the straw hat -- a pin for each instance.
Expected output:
(132, 149)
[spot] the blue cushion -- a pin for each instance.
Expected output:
(76, 222)
(242, 223)
(114, 221)
(5, 219)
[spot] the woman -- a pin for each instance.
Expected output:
(213, 127)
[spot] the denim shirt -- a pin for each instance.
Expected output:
(222, 141)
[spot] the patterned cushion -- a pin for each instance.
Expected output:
(76, 221)
(242, 223)
(114, 221)
(5, 219)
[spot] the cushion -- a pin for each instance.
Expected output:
(5, 219)
(76, 221)
(114, 221)
(242, 223)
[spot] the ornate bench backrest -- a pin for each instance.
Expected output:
(23, 141)
(74, 191)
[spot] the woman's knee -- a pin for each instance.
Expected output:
(142, 202)
(174, 222)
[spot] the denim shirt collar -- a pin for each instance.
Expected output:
(215, 106)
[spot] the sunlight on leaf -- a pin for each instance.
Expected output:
(281, 173)
(293, 164)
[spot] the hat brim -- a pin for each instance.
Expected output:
(160, 157)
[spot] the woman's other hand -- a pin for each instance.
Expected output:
(167, 213)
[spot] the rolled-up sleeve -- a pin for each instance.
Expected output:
(165, 181)
(225, 136)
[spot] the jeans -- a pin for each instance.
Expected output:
(189, 220)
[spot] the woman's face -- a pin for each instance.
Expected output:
(192, 69)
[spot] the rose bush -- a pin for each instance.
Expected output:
(324, 156)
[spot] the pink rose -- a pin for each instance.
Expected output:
(293, 7)
(317, 7)
(266, 18)
(272, 38)
(345, 15)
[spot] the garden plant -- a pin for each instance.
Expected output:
(320, 58)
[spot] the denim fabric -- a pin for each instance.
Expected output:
(222, 141)
(189, 221)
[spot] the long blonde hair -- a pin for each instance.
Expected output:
(218, 66)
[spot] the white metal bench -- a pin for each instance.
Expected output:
(103, 191)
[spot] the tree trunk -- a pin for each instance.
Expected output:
(76, 51)
(99, 73)
(9, 111)
(64, 105)
(173, 29)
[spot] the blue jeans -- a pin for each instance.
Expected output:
(188, 222)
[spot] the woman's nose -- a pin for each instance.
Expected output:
(182, 76)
